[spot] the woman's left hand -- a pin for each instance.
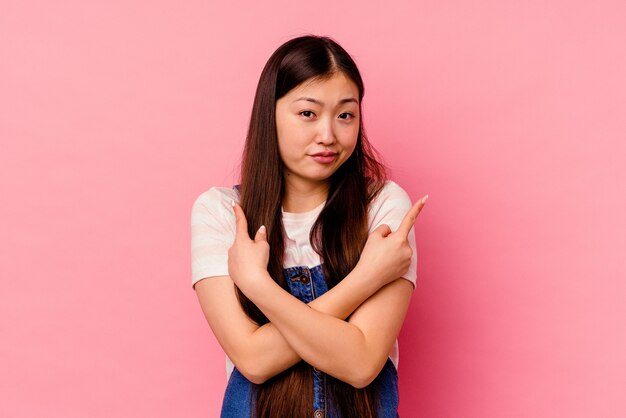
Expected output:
(247, 259)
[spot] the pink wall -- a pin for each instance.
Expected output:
(115, 115)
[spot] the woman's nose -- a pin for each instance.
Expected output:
(326, 135)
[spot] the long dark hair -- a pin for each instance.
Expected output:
(338, 235)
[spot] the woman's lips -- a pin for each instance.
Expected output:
(324, 159)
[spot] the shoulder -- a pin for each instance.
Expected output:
(389, 206)
(391, 194)
(212, 232)
(215, 199)
(213, 206)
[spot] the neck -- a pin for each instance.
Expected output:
(303, 196)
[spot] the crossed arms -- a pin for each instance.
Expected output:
(373, 296)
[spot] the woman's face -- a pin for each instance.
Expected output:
(317, 124)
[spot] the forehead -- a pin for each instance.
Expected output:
(337, 85)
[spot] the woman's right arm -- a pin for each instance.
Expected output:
(261, 352)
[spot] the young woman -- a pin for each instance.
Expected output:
(308, 310)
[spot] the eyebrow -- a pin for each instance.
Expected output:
(342, 101)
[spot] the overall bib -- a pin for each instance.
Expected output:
(306, 284)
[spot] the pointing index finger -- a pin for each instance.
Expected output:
(409, 219)
(241, 224)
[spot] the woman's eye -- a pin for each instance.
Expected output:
(306, 113)
(347, 114)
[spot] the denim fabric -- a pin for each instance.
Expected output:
(306, 284)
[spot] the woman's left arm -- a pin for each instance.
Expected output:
(353, 351)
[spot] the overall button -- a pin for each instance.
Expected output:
(304, 279)
(318, 414)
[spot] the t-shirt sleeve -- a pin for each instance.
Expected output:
(212, 234)
(390, 207)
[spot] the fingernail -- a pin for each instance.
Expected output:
(424, 199)
(232, 203)
(262, 229)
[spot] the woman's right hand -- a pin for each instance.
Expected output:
(387, 255)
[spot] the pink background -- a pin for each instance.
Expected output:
(116, 115)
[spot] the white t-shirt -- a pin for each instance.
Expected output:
(213, 233)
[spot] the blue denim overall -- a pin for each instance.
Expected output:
(306, 284)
